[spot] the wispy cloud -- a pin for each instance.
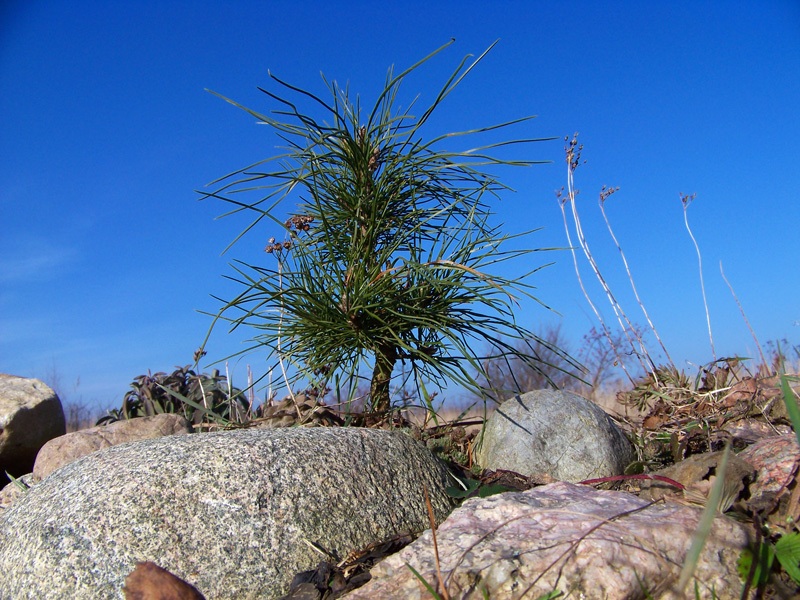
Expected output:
(34, 262)
(29, 330)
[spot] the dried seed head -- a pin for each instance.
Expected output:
(573, 151)
(299, 222)
(606, 192)
(323, 370)
(287, 244)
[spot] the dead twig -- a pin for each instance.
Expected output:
(445, 595)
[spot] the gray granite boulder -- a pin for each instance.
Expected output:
(234, 513)
(583, 542)
(553, 433)
(30, 415)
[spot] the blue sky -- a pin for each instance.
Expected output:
(106, 255)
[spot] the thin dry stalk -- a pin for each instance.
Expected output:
(270, 393)
(250, 392)
(687, 200)
(603, 196)
(280, 353)
(573, 153)
(606, 331)
(203, 391)
(445, 595)
(760, 351)
(230, 396)
(619, 313)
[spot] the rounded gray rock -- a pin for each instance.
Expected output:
(30, 415)
(233, 513)
(554, 433)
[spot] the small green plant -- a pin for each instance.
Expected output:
(471, 488)
(196, 397)
(385, 254)
(786, 549)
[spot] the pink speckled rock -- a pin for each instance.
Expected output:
(775, 460)
(583, 542)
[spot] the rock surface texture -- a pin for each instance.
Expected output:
(775, 460)
(566, 537)
(30, 415)
(554, 433)
(233, 512)
(64, 449)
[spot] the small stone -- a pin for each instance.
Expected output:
(557, 434)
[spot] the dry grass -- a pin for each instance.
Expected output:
(79, 415)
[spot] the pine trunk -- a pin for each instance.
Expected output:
(385, 357)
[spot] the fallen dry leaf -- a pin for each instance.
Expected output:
(743, 390)
(697, 474)
(148, 581)
(654, 421)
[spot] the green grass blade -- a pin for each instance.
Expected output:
(791, 405)
(704, 526)
(427, 585)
